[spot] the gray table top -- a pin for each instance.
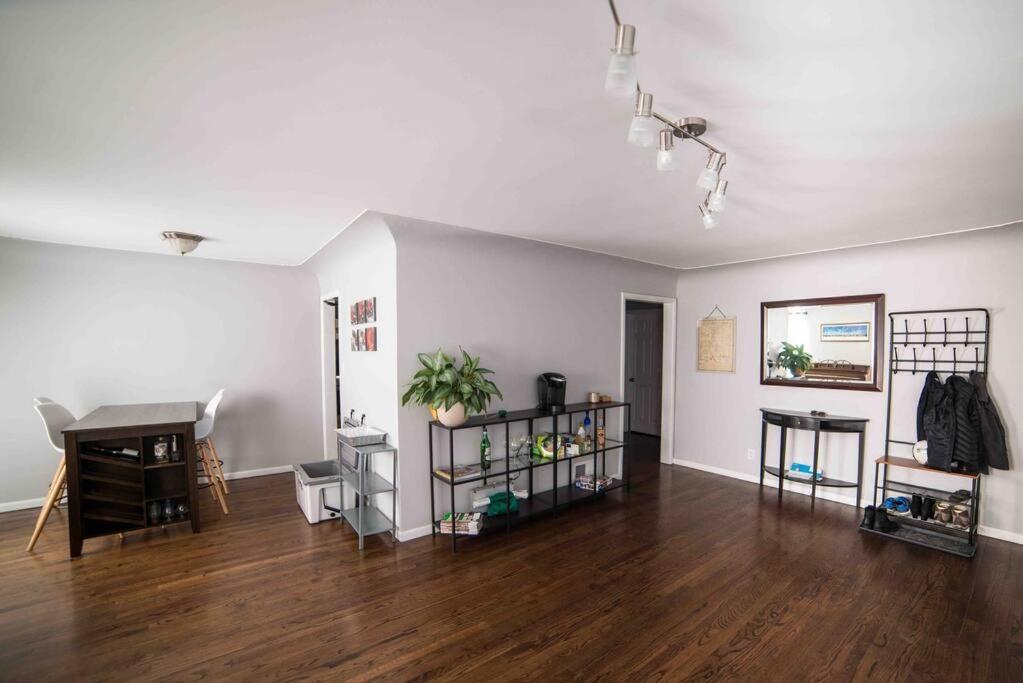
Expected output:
(137, 415)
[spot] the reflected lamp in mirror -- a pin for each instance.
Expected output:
(827, 343)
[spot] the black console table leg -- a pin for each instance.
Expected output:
(813, 471)
(781, 463)
(859, 468)
(763, 450)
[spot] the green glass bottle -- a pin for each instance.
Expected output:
(485, 451)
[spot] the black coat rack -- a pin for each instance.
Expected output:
(908, 356)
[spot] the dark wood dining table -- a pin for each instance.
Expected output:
(110, 493)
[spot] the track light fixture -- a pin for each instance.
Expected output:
(643, 130)
(666, 158)
(716, 199)
(709, 219)
(621, 72)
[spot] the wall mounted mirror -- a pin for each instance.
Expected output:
(831, 343)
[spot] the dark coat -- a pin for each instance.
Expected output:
(992, 434)
(935, 421)
(960, 425)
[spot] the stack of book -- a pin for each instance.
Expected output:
(463, 523)
(585, 481)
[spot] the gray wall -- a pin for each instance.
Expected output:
(358, 264)
(718, 417)
(525, 307)
(88, 327)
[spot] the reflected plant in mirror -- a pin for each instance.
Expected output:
(832, 343)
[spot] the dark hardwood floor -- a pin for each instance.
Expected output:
(689, 576)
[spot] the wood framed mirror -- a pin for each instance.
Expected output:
(825, 343)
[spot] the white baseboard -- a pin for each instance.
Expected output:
(262, 472)
(409, 534)
(13, 505)
(804, 489)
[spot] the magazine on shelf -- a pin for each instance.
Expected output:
(461, 472)
(585, 482)
(464, 523)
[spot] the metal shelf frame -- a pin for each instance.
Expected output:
(537, 502)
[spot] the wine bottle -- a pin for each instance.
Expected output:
(485, 451)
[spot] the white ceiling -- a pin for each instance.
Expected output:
(270, 125)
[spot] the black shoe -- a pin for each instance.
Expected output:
(927, 511)
(916, 505)
(869, 514)
(883, 523)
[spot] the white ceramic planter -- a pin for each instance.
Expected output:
(455, 417)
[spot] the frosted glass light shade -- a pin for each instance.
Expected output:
(643, 131)
(667, 160)
(708, 179)
(716, 202)
(710, 220)
(621, 76)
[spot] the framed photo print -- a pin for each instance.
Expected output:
(845, 332)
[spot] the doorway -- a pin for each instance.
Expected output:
(648, 372)
(330, 325)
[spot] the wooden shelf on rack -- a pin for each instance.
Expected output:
(910, 464)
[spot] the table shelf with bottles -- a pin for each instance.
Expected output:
(548, 501)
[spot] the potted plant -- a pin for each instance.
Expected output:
(451, 393)
(794, 358)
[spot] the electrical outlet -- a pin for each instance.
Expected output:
(749, 453)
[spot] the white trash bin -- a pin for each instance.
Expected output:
(318, 488)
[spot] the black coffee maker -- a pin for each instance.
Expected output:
(550, 392)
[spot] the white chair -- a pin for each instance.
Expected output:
(55, 418)
(206, 452)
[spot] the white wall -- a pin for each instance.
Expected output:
(525, 307)
(359, 264)
(718, 416)
(89, 327)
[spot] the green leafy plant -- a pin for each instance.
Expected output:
(794, 358)
(439, 384)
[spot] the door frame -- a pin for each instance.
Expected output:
(670, 306)
(326, 349)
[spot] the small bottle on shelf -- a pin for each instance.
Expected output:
(600, 431)
(485, 451)
(175, 454)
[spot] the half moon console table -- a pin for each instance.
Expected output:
(791, 419)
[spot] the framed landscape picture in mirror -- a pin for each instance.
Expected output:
(826, 343)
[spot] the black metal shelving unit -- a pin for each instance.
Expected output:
(543, 502)
(915, 347)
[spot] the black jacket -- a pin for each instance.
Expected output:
(960, 425)
(992, 434)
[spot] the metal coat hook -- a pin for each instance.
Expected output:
(934, 358)
(925, 331)
(914, 360)
(955, 360)
(976, 357)
(905, 321)
(895, 363)
(945, 323)
(966, 336)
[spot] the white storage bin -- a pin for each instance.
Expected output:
(318, 485)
